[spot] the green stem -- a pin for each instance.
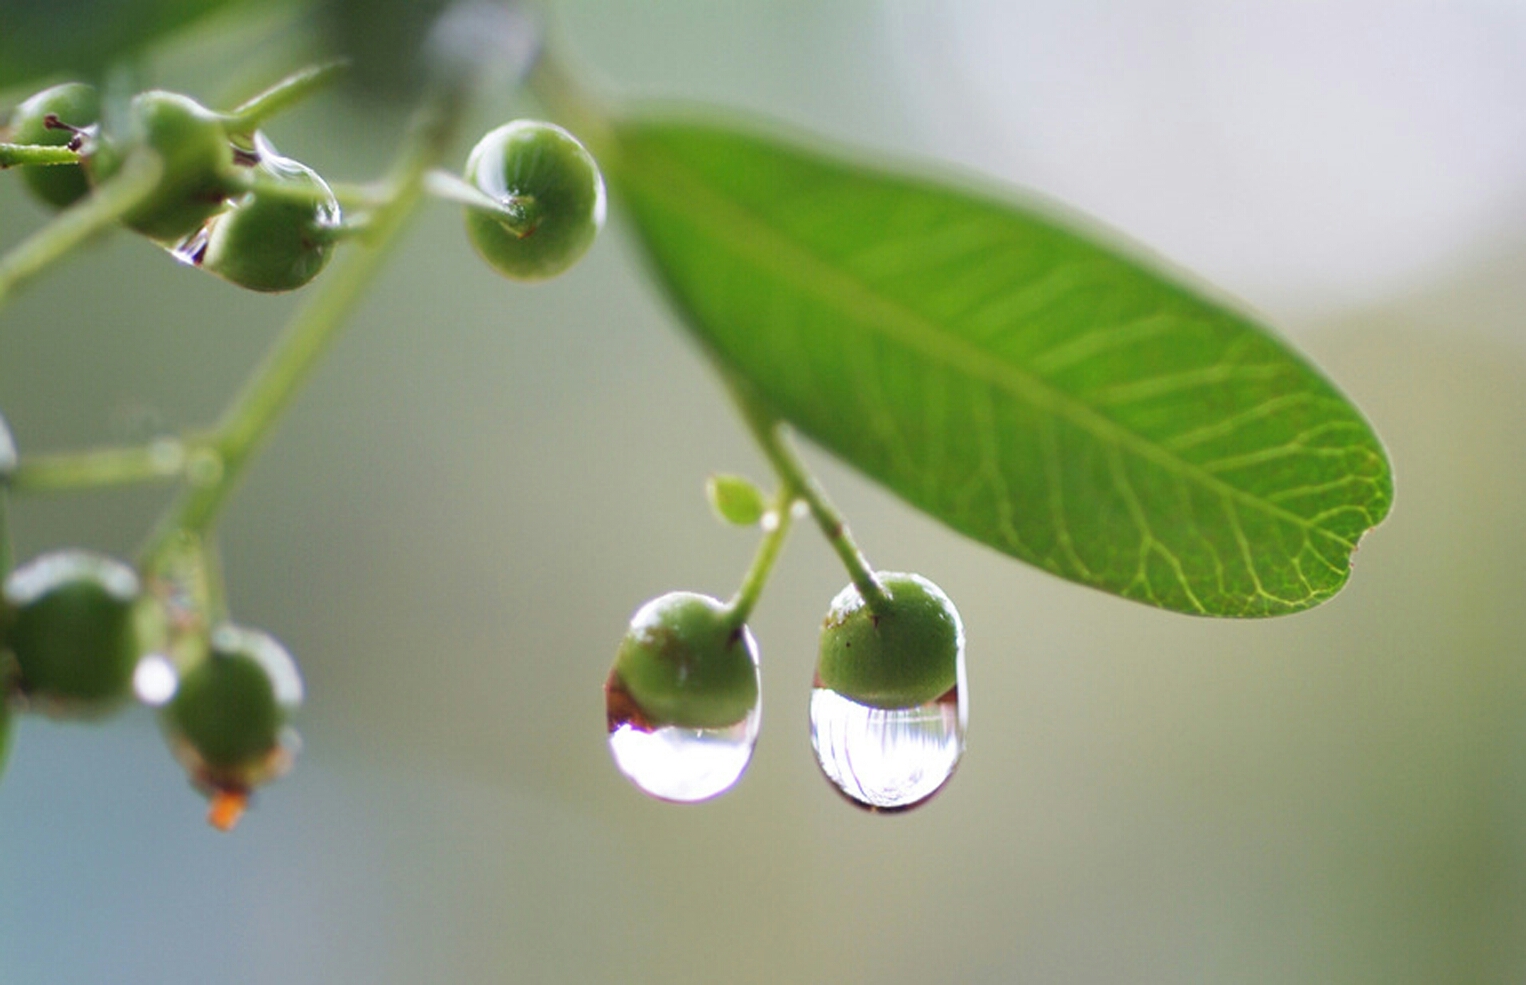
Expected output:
(248, 116)
(360, 194)
(584, 115)
(12, 155)
(297, 193)
(97, 468)
(767, 429)
(270, 390)
(108, 203)
(184, 598)
(518, 212)
(776, 524)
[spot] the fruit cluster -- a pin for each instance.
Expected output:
(224, 200)
(683, 695)
(81, 634)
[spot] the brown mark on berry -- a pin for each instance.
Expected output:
(620, 709)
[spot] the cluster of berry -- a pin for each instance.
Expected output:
(81, 634)
(224, 199)
(228, 202)
(888, 704)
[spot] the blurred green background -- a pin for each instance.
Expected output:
(485, 479)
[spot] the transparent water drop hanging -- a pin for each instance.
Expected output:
(193, 248)
(889, 760)
(682, 765)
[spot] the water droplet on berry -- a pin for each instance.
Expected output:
(888, 760)
(154, 680)
(683, 765)
(192, 249)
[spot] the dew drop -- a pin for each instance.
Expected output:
(154, 680)
(193, 248)
(682, 765)
(888, 760)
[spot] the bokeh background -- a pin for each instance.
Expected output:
(485, 479)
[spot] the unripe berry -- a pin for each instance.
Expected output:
(71, 630)
(228, 712)
(551, 186)
(684, 663)
(902, 654)
(274, 238)
(199, 174)
(75, 106)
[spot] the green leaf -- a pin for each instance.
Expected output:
(735, 499)
(1032, 388)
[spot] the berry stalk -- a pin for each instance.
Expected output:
(776, 525)
(13, 155)
(163, 460)
(248, 115)
(768, 430)
(274, 384)
(449, 187)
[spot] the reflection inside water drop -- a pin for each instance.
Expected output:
(193, 249)
(889, 760)
(683, 765)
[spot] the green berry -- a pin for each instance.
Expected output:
(735, 499)
(279, 236)
(902, 654)
(228, 712)
(683, 662)
(552, 190)
(199, 174)
(71, 629)
(76, 106)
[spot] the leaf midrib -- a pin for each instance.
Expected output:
(766, 245)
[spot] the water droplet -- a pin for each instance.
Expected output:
(889, 760)
(155, 680)
(193, 248)
(683, 765)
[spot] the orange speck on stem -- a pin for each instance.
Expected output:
(227, 807)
